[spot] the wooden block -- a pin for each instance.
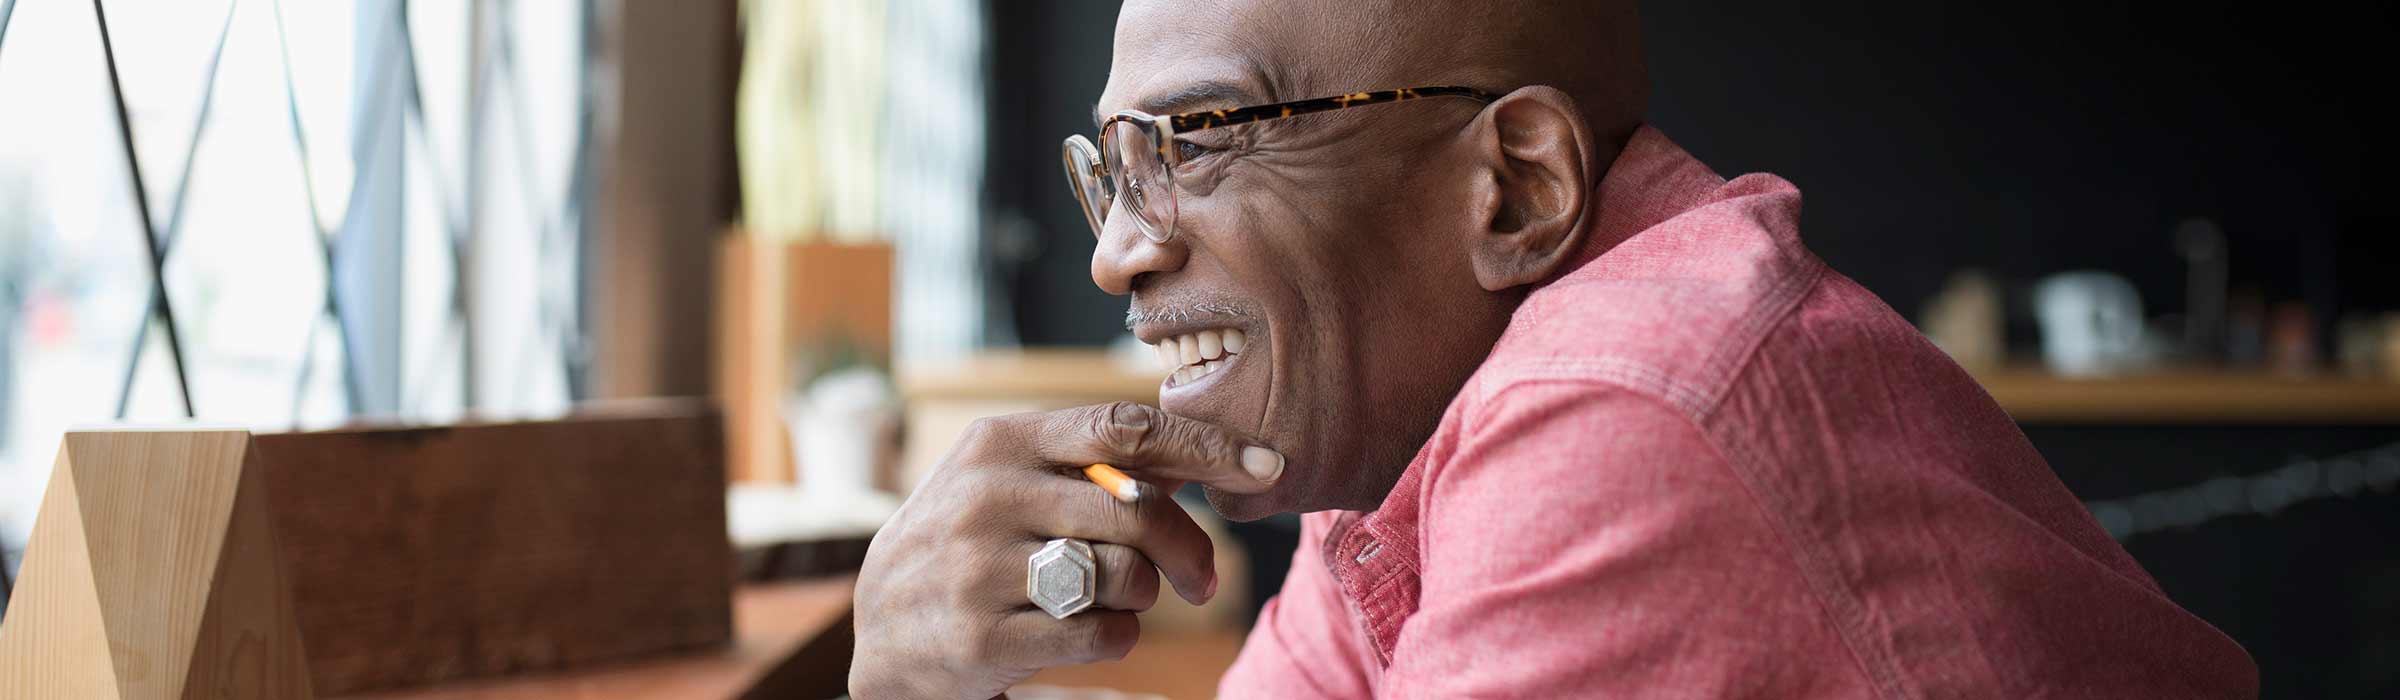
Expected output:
(793, 642)
(428, 554)
(153, 573)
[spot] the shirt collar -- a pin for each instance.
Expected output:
(1652, 180)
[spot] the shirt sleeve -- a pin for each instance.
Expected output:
(1305, 644)
(1588, 541)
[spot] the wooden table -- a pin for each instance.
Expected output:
(791, 640)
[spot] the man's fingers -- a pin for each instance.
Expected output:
(1155, 525)
(1151, 444)
(1128, 581)
(1031, 638)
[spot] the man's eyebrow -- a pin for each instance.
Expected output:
(1190, 97)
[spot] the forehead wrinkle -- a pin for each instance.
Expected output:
(1206, 94)
(1213, 85)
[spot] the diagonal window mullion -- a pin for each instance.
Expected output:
(546, 242)
(8, 9)
(584, 180)
(454, 223)
(457, 217)
(163, 308)
(175, 210)
(191, 153)
(556, 328)
(326, 244)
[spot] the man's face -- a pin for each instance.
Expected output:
(1331, 243)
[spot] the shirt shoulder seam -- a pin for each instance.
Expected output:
(1778, 306)
(1841, 604)
(1720, 370)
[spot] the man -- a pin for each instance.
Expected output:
(1569, 414)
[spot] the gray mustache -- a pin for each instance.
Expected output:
(1180, 314)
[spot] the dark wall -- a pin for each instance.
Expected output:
(1049, 63)
(2037, 136)
(2023, 137)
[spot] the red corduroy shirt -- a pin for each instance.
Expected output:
(1701, 464)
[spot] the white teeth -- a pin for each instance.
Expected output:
(1188, 357)
(1168, 357)
(1193, 373)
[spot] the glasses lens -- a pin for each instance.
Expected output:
(1142, 178)
(1082, 162)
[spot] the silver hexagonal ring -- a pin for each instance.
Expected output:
(1062, 578)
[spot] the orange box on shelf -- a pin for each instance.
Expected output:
(782, 305)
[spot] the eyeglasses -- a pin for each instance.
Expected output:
(1136, 156)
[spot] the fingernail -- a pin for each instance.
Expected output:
(1128, 416)
(1262, 463)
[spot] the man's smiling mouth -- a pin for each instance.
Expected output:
(1190, 357)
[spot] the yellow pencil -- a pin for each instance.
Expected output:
(1115, 482)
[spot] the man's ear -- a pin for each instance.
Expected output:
(1537, 154)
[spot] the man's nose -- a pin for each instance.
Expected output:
(1123, 255)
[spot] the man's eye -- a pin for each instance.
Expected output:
(1187, 151)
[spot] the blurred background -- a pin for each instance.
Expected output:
(2159, 234)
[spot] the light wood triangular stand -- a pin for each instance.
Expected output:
(153, 574)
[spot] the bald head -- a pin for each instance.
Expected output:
(1589, 49)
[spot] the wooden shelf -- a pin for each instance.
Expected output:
(2193, 397)
(2031, 395)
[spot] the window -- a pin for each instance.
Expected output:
(370, 209)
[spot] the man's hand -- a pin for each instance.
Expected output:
(941, 600)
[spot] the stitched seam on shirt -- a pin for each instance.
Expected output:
(1380, 610)
(1832, 592)
(1391, 611)
(1842, 603)
(1779, 305)
(1630, 375)
(1699, 401)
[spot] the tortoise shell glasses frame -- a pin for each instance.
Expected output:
(1137, 156)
